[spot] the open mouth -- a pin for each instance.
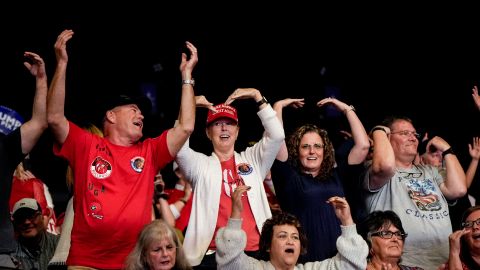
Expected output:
(289, 250)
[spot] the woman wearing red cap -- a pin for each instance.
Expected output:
(215, 178)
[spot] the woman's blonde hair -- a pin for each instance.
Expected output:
(157, 230)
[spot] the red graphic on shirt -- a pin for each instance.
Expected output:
(100, 168)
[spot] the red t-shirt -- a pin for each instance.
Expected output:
(230, 180)
(174, 195)
(113, 191)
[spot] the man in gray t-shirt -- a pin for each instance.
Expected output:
(415, 192)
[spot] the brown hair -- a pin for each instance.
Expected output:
(281, 218)
(293, 144)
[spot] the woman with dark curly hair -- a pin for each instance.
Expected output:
(306, 173)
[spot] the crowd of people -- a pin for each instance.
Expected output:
(382, 200)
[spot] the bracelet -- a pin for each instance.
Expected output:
(183, 200)
(378, 128)
(351, 108)
(262, 101)
(191, 82)
(448, 151)
(164, 196)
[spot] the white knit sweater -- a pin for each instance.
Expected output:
(231, 240)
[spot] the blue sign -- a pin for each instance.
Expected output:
(9, 120)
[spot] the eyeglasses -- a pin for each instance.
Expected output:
(410, 175)
(469, 224)
(390, 234)
(316, 146)
(407, 133)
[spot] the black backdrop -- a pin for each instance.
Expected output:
(416, 61)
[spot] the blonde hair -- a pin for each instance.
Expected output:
(157, 230)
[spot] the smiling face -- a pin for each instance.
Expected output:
(404, 145)
(310, 152)
(223, 133)
(285, 246)
(127, 120)
(29, 224)
(472, 238)
(161, 255)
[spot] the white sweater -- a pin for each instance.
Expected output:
(205, 173)
(231, 240)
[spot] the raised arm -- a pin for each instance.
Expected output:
(179, 134)
(474, 151)
(237, 205)
(56, 98)
(454, 261)
(383, 159)
(342, 210)
(454, 185)
(360, 138)
(476, 97)
(278, 107)
(33, 128)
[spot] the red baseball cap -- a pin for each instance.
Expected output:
(223, 111)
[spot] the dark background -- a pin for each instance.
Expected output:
(416, 61)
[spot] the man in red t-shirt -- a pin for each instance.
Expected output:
(113, 187)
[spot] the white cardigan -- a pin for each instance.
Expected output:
(205, 173)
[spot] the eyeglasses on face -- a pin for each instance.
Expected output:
(469, 224)
(407, 133)
(316, 146)
(390, 234)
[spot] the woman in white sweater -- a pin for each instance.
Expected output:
(282, 240)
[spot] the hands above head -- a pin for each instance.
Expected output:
(292, 102)
(476, 97)
(237, 204)
(61, 46)
(342, 210)
(37, 65)
(202, 102)
(439, 143)
(474, 148)
(186, 66)
(341, 106)
(244, 93)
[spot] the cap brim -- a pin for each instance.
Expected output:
(23, 212)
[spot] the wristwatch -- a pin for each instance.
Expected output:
(262, 101)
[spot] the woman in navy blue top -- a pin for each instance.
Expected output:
(305, 175)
